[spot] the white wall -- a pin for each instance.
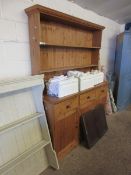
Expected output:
(14, 40)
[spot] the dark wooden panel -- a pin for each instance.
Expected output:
(88, 129)
(95, 57)
(93, 125)
(96, 42)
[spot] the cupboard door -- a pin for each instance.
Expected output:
(66, 133)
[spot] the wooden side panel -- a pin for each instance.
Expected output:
(97, 35)
(95, 57)
(49, 110)
(53, 33)
(34, 36)
(56, 58)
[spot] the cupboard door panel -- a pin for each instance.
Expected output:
(65, 132)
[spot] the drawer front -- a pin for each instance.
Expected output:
(101, 92)
(101, 101)
(87, 107)
(87, 97)
(66, 107)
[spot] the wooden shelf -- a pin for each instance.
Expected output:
(14, 162)
(59, 43)
(68, 68)
(24, 135)
(68, 46)
(20, 122)
(16, 82)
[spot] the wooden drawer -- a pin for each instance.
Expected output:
(87, 107)
(66, 107)
(101, 100)
(101, 92)
(87, 97)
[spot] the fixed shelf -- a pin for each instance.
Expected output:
(69, 46)
(20, 158)
(19, 122)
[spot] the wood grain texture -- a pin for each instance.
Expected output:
(64, 35)
(61, 42)
(64, 115)
(96, 41)
(63, 122)
(34, 37)
(63, 17)
(61, 58)
(65, 132)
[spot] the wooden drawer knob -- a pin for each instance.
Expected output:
(88, 97)
(67, 107)
(103, 90)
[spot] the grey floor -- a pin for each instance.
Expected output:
(110, 156)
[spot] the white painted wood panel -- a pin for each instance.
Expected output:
(16, 106)
(33, 165)
(24, 135)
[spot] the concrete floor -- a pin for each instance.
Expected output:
(110, 156)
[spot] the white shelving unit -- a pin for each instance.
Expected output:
(24, 131)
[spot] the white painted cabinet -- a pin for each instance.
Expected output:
(25, 144)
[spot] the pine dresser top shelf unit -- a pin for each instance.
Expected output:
(61, 42)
